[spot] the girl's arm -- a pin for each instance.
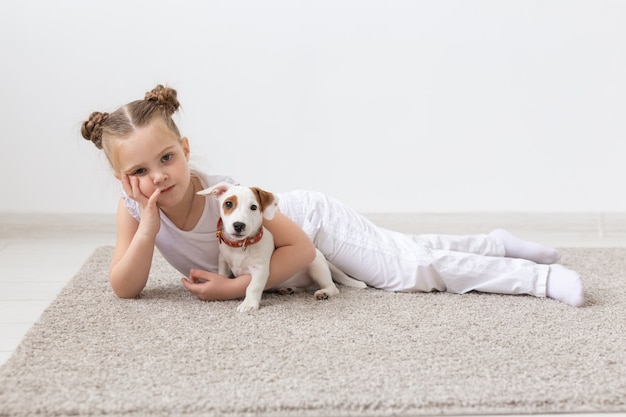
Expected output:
(134, 247)
(294, 251)
(132, 257)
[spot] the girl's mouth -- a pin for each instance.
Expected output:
(164, 190)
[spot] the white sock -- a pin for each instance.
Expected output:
(517, 248)
(565, 285)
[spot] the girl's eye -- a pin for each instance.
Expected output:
(253, 207)
(139, 172)
(167, 157)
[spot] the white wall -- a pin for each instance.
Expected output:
(389, 105)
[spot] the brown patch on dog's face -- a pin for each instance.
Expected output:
(265, 198)
(229, 204)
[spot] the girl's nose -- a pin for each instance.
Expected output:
(159, 177)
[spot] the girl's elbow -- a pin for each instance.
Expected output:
(123, 292)
(126, 296)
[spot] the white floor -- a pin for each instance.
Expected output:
(40, 253)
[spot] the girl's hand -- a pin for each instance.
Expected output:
(210, 286)
(148, 208)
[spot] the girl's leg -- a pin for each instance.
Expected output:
(395, 262)
(480, 244)
(499, 242)
(399, 262)
(518, 248)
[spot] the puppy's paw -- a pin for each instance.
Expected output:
(248, 306)
(325, 293)
(286, 291)
(321, 295)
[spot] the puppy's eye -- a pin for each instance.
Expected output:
(253, 207)
(228, 204)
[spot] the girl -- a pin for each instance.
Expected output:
(159, 207)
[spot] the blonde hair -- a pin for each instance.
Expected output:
(101, 128)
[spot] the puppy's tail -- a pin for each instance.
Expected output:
(345, 279)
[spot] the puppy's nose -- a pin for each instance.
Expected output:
(239, 227)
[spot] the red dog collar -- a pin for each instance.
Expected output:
(244, 243)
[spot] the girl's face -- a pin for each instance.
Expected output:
(157, 158)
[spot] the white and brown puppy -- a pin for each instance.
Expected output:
(246, 246)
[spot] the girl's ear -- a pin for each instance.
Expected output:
(185, 144)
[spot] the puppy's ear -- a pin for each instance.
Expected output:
(268, 202)
(217, 190)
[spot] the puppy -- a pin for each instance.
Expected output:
(246, 246)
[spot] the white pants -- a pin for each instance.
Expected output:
(396, 261)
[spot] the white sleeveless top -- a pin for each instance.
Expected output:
(196, 248)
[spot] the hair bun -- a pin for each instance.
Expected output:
(164, 97)
(92, 128)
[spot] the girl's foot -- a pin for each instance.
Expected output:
(565, 285)
(517, 248)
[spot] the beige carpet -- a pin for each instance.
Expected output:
(363, 353)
